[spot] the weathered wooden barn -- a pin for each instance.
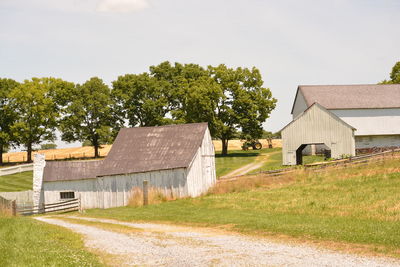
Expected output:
(372, 110)
(179, 160)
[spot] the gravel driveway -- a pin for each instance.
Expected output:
(167, 245)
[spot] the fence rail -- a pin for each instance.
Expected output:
(68, 205)
(16, 169)
(362, 159)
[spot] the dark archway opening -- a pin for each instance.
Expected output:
(320, 149)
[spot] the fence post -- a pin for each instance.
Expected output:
(79, 204)
(14, 207)
(145, 193)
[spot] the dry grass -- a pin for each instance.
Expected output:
(155, 196)
(5, 212)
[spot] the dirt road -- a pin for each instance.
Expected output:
(150, 244)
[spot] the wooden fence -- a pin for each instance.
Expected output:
(8, 206)
(356, 160)
(63, 206)
(16, 169)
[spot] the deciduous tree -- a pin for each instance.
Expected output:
(89, 116)
(7, 115)
(34, 102)
(394, 75)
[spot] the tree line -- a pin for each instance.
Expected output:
(229, 99)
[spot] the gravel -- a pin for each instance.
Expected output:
(168, 245)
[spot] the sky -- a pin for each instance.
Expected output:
(290, 42)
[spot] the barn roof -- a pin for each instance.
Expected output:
(70, 170)
(143, 149)
(364, 96)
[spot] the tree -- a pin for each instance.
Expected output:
(244, 104)
(228, 99)
(34, 102)
(141, 99)
(394, 75)
(7, 117)
(88, 116)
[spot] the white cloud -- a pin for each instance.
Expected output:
(122, 6)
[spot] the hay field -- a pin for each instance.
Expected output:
(62, 153)
(88, 151)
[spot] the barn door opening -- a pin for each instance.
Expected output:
(299, 154)
(314, 152)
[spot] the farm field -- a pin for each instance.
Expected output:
(353, 209)
(26, 242)
(87, 151)
(16, 182)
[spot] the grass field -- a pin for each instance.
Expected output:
(16, 182)
(236, 159)
(358, 205)
(26, 242)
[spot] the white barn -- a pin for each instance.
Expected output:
(179, 160)
(372, 110)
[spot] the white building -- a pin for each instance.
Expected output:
(372, 110)
(176, 159)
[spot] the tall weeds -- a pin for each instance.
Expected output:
(155, 196)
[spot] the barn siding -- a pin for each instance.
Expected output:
(372, 121)
(201, 173)
(115, 191)
(377, 141)
(317, 125)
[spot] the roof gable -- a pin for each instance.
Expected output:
(352, 96)
(143, 149)
(317, 105)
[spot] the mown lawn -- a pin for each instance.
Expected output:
(359, 205)
(16, 182)
(26, 242)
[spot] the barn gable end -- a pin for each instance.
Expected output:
(316, 125)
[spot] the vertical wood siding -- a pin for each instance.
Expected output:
(316, 125)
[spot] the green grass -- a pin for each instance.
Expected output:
(359, 205)
(16, 182)
(26, 242)
(236, 159)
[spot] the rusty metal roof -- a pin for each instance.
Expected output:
(70, 170)
(143, 149)
(356, 96)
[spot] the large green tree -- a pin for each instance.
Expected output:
(89, 115)
(228, 99)
(245, 104)
(7, 115)
(141, 99)
(34, 102)
(394, 75)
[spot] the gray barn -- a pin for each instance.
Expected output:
(316, 125)
(179, 160)
(372, 111)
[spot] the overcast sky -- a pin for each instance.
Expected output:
(291, 42)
